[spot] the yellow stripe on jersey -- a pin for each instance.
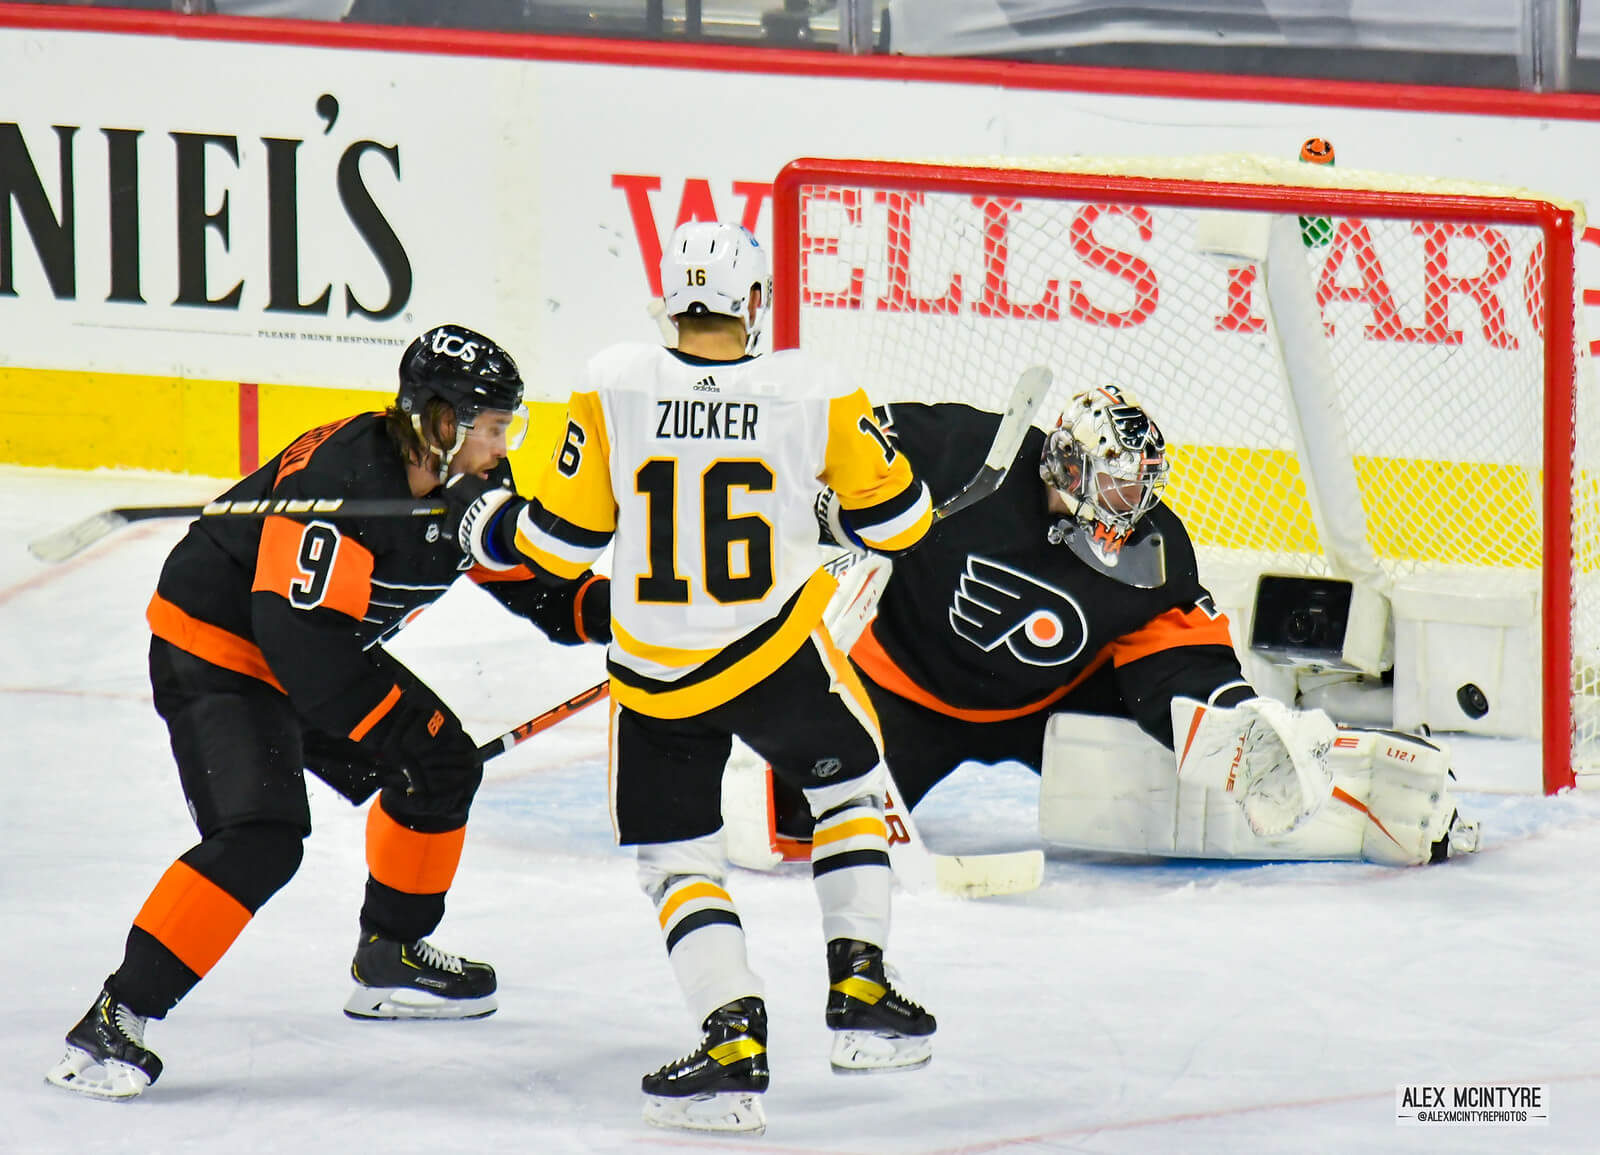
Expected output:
(663, 655)
(725, 685)
(869, 474)
(575, 493)
(573, 512)
(902, 532)
(549, 550)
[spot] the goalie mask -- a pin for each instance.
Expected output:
(713, 268)
(1107, 461)
(466, 371)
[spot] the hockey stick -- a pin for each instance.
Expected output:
(918, 868)
(520, 734)
(74, 539)
(1015, 422)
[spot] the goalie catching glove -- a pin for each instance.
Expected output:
(1271, 759)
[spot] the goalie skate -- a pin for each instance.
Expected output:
(875, 1027)
(417, 980)
(106, 1056)
(719, 1086)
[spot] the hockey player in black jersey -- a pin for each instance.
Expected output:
(1074, 590)
(267, 659)
(1023, 605)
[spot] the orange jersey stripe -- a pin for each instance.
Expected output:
(314, 565)
(1193, 627)
(298, 455)
(408, 860)
(376, 714)
(875, 662)
(208, 642)
(192, 917)
(482, 574)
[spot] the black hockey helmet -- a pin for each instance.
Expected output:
(462, 368)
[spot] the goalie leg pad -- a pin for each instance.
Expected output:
(1411, 814)
(1106, 785)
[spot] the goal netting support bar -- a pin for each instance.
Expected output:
(1380, 381)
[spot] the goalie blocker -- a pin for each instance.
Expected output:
(1108, 786)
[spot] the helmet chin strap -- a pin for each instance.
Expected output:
(445, 455)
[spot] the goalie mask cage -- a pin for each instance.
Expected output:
(1359, 376)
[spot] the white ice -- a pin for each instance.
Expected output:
(1123, 1007)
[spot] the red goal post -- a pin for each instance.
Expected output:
(1362, 376)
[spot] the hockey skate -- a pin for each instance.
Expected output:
(719, 1086)
(875, 1027)
(417, 980)
(106, 1056)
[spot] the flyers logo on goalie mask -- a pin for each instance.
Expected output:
(995, 605)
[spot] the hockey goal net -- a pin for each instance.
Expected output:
(1360, 376)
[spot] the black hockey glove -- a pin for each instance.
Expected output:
(476, 507)
(425, 754)
(593, 608)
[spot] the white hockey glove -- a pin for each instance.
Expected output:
(474, 503)
(1271, 759)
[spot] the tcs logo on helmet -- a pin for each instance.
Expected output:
(452, 345)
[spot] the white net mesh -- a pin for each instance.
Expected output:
(944, 284)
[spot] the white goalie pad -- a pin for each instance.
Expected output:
(1106, 785)
(1270, 758)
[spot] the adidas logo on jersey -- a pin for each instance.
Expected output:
(707, 385)
(995, 605)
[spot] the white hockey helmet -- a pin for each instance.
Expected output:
(1107, 460)
(712, 267)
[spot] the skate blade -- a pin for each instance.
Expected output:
(393, 1003)
(739, 1111)
(112, 1079)
(867, 1052)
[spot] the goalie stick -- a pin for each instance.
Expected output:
(74, 539)
(1015, 422)
(918, 868)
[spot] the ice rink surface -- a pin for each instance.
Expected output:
(1125, 1006)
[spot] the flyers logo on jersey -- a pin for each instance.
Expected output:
(1039, 624)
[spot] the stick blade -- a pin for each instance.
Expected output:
(74, 539)
(1026, 397)
(989, 875)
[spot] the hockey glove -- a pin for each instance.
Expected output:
(475, 507)
(425, 754)
(592, 607)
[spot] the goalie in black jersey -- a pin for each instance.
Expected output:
(267, 659)
(1061, 623)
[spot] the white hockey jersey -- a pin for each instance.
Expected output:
(706, 474)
